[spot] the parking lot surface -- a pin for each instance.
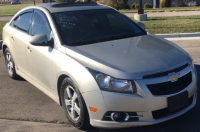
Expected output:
(25, 108)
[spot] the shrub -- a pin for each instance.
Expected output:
(137, 6)
(162, 4)
(133, 6)
(190, 3)
(118, 4)
(60, 1)
(176, 3)
(147, 5)
(100, 2)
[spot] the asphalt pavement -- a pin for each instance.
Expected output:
(25, 108)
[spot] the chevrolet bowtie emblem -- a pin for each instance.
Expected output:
(173, 76)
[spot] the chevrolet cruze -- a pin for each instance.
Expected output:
(99, 65)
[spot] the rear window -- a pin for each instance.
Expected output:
(92, 26)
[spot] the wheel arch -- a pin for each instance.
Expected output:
(4, 47)
(61, 77)
(59, 82)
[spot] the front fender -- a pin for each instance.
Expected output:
(65, 65)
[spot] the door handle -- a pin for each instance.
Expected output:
(12, 38)
(29, 50)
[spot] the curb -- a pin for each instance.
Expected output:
(180, 36)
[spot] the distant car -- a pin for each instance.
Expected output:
(102, 67)
(15, 2)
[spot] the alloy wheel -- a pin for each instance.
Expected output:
(9, 63)
(71, 103)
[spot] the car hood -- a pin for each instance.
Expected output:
(131, 57)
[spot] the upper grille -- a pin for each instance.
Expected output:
(165, 73)
(165, 112)
(171, 87)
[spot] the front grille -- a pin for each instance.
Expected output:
(165, 112)
(165, 73)
(169, 87)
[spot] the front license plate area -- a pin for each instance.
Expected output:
(177, 101)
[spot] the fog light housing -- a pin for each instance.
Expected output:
(115, 116)
(121, 116)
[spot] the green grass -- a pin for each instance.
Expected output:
(10, 10)
(2, 23)
(166, 25)
(167, 9)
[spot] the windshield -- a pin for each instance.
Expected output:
(92, 26)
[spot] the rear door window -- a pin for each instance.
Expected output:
(24, 21)
(15, 22)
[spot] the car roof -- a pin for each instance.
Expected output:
(61, 7)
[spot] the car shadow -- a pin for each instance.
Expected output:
(188, 122)
(21, 79)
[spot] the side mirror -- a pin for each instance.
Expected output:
(141, 25)
(39, 40)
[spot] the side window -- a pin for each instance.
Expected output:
(24, 22)
(40, 26)
(15, 22)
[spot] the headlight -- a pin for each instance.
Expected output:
(116, 85)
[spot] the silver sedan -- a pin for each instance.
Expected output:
(99, 65)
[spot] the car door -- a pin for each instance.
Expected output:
(19, 39)
(40, 58)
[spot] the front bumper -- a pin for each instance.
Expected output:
(143, 103)
(113, 124)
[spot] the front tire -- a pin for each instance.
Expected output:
(73, 104)
(10, 65)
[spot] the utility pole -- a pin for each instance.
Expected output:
(140, 10)
(34, 2)
(140, 16)
(154, 3)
